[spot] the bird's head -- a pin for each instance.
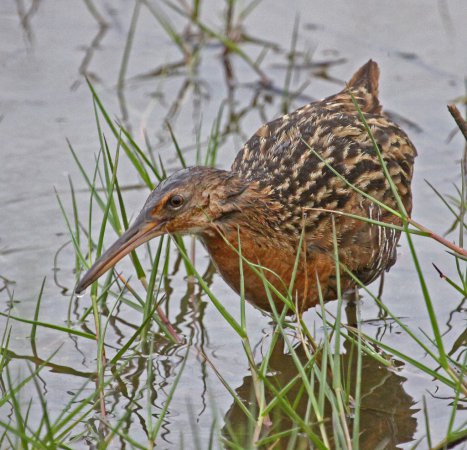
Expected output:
(189, 201)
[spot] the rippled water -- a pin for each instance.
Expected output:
(46, 49)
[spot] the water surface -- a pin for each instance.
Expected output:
(45, 53)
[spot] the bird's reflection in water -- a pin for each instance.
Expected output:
(386, 415)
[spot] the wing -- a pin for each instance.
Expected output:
(290, 158)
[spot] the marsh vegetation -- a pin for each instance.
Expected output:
(161, 353)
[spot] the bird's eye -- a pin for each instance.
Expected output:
(176, 201)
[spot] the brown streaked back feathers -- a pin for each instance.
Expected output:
(281, 158)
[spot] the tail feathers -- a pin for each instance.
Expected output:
(364, 88)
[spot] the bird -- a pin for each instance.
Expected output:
(290, 203)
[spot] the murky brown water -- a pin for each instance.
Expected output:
(44, 100)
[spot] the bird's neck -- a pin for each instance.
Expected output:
(232, 250)
(254, 210)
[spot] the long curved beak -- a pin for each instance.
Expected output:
(138, 233)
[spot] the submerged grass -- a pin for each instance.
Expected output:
(308, 388)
